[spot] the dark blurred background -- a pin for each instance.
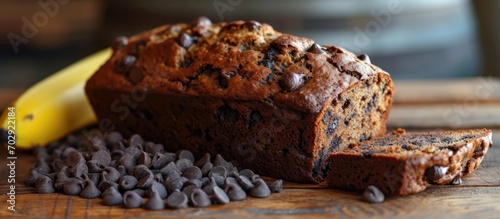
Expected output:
(409, 39)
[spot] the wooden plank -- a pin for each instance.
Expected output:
(481, 89)
(448, 201)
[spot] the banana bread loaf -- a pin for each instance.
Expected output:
(276, 103)
(404, 163)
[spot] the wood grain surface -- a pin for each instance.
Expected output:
(477, 197)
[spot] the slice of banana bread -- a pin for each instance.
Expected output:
(276, 103)
(404, 163)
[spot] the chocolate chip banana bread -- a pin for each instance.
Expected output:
(404, 163)
(276, 103)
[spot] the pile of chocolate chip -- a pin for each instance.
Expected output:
(137, 173)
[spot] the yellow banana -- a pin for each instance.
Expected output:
(55, 106)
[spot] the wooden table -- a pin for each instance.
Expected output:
(418, 105)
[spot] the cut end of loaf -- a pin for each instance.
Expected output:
(357, 115)
(404, 163)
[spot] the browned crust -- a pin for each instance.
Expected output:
(225, 94)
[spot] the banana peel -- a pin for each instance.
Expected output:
(55, 106)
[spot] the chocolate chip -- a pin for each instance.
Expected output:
(235, 192)
(131, 200)
(57, 164)
(220, 196)
(129, 161)
(95, 177)
(195, 182)
(74, 158)
(230, 180)
(204, 181)
(118, 146)
(182, 164)
(154, 202)
(121, 169)
(146, 182)
(254, 178)
(365, 58)
(276, 186)
(144, 159)
(72, 187)
(219, 179)
(135, 140)
(209, 188)
(244, 182)
(119, 43)
(102, 157)
(201, 22)
(79, 170)
(140, 192)
(128, 182)
(247, 172)
(192, 173)
(140, 171)
(219, 161)
(175, 184)
(135, 150)
(271, 53)
(206, 168)
(31, 180)
(260, 190)
(188, 189)
(199, 198)
(169, 167)
(436, 172)
(105, 183)
(171, 175)
(177, 200)
(111, 197)
(253, 25)
(185, 154)
(135, 74)
(158, 187)
(266, 63)
(373, 195)
(185, 40)
(233, 172)
(112, 174)
(44, 185)
(218, 170)
(291, 81)
(160, 159)
(317, 49)
(61, 178)
(223, 80)
(94, 167)
(67, 151)
(90, 190)
(203, 160)
(117, 154)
